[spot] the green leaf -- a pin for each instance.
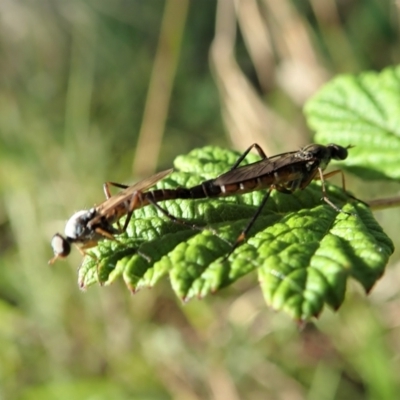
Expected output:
(302, 250)
(364, 111)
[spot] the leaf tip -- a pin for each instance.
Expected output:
(132, 288)
(81, 284)
(301, 324)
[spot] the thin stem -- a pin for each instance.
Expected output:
(381, 204)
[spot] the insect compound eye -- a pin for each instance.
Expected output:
(61, 246)
(338, 152)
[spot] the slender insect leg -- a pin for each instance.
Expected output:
(107, 192)
(260, 151)
(338, 171)
(242, 237)
(127, 219)
(185, 223)
(333, 173)
(135, 198)
(106, 188)
(106, 234)
(122, 230)
(173, 218)
(325, 197)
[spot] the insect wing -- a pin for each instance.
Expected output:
(261, 169)
(110, 204)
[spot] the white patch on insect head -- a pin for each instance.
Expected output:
(57, 244)
(74, 228)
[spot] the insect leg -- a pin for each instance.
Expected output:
(325, 197)
(183, 222)
(105, 233)
(173, 218)
(260, 151)
(106, 188)
(242, 237)
(338, 171)
(128, 218)
(135, 198)
(107, 192)
(333, 173)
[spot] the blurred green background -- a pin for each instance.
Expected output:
(95, 90)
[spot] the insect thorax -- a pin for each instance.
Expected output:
(76, 228)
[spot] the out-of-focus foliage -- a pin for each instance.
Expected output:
(362, 110)
(90, 87)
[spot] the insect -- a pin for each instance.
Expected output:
(286, 172)
(86, 227)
